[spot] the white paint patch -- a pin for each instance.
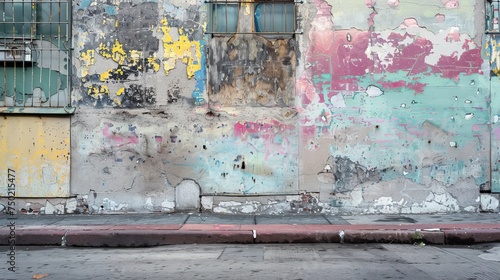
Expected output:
(470, 209)
(221, 210)
(374, 91)
(167, 205)
(71, 205)
(248, 208)
(229, 204)
(489, 202)
(338, 100)
(207, 202)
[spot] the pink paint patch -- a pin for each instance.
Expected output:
(418, 88)
(133, 140)
(370, 3)
(116, 139)
(496, 132)
(440, 18)
(265, 130)
(409, 22)
(392, 3)
(451, 4)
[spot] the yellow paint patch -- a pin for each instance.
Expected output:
(247, 9)
(119, 54)
(153, 63)
(120, 91)
(104, 50)
(38, 150)
(104, 76)
(183, 49)
(495, 57)
(98, 92)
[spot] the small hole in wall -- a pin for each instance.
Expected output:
(429, 141)
(377, 126)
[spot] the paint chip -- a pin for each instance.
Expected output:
(374, 91)
(469, 116)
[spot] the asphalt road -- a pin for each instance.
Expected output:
(255, 261)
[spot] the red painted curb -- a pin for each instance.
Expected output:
(154, 235)
(33, 237)
(393, 236)
(147, 238)
(297, 236)
(471, 236)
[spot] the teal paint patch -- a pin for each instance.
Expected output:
(85, 3)
(417, 135)
(495, 134)
(110, 10)
(200, 77)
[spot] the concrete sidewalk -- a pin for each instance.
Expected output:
(138, 230)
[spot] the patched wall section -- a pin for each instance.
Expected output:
(251, 70)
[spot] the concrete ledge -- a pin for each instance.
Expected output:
(147, 238)
(471, 236)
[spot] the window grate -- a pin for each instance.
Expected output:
(492, 16)
(35, 45)
(268, 17)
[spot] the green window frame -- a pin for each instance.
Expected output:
(268, 17)
(35, 56)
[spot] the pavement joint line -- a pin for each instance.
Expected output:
(187, 218)
(323, 215)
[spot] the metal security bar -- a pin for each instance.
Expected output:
(492, 16)
(268, 17)
(35, 45)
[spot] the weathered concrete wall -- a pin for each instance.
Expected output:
(147, 133)
(376, 107)
(394, 100)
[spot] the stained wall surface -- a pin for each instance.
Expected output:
(373, 106)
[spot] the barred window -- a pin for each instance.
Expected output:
(266, 17)
(492, 16)
(35, 44)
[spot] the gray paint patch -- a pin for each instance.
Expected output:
(187, 195)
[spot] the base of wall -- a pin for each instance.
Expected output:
(269, 204)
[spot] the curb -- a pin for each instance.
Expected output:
(143, 237)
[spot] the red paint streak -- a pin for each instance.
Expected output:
(264, 130)
(416, 87)
(118, 140)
